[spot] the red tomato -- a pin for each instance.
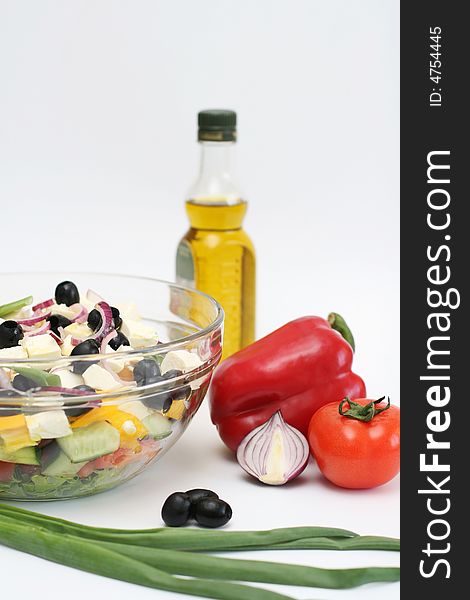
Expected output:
(6, 471)
(353, 453)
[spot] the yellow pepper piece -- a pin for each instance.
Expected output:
(14, 433)
(176, 410)
(130, 428)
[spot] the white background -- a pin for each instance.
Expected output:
(97, 147)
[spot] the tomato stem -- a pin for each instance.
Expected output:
(361, 412)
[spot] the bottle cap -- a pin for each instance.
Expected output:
(217, 125)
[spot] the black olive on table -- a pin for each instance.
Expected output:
(67, 293)
(95, 320)
(23, 383)
(176, 509)
(212, 512)
(11, 333)
(86, 347)
(57, 321)
(119, 340)
(198, 494)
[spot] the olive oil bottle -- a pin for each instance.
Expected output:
(216, 255)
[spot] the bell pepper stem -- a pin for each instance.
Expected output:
(362, 412)
(339, 324)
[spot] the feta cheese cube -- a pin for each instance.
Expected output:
(115, 363)
(68, 379)
(100, 379)
(41, 346)
(78, 330)
(181, 360)
(67, 346)
(64, 310)
(15, 352)
(48, 425)
(136, 408)
(140, 335)
(184, 361)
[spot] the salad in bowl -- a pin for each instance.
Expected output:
(95, 384)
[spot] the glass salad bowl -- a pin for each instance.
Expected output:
(98, 378)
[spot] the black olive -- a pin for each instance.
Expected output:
(95, 320)
(11, 333)
(57, 321)
(80, 410)
(161, 401)
(212, 512)
(23, 383)
(198, 494)
(147, 370)
(86, 347)
(175, 510)
(119, 340)
(67, 293)
(172, 374)
(84, 388)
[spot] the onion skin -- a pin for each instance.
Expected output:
(274, 452)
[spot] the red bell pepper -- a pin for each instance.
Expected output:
(295, 369)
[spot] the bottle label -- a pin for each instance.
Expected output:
(185, 265)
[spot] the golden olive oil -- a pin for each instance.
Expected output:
(219, 256)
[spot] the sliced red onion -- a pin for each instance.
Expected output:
(63, 390)
(38, 330)
(56, 338)
(106, 321)
(43, 304)
(107, 338)
(75, 341)
(33, 320)
(274, 452)
(82, 313)
(94, 297)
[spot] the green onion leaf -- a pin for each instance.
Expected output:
(12, 307)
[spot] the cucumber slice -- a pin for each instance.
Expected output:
(158, 426)
(62, 466)
(24, 456)
(88, 443)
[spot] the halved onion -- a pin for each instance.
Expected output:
(274, 452)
